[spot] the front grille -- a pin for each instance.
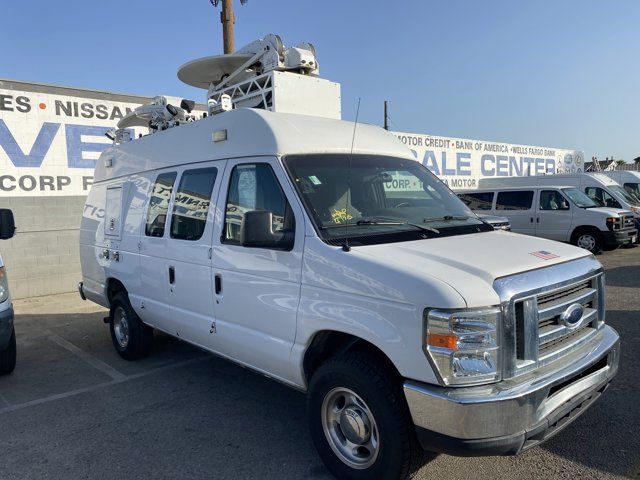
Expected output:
(553, 335)
(541, 334)
(628, 221)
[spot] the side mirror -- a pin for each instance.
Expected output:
(7, 224)
(257, 232)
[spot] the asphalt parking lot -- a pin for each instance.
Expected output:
(74, 409)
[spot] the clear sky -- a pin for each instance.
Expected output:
(562, 73)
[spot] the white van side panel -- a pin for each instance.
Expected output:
(92, 242)
(122, 261)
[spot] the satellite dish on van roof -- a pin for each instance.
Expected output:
(133, 120)
(202, 72)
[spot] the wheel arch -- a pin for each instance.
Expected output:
(326, 344)
(114, 286)
(585, 228)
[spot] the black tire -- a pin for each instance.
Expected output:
(595, 239)
(139, 337)
(8, 356)
(364, 374)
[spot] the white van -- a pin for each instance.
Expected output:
(601, 188)
(558, 213)
(280, 242)
(627, 179)
(7, 331)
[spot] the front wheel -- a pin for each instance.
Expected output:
(359, 420)
(8, 356)
(589, 240)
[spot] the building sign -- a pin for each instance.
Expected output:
(460, 163)
(51, 137)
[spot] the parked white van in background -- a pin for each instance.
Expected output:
(7, 331)
(627, 179)
(601, 188)
(279, 241)
(557, 213)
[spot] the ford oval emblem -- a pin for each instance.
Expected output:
(572, 315)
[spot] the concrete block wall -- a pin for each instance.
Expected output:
(43, 257)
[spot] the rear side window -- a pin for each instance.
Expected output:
(553, 200)
(159, 204)
(477, 201)
(516, 200)
(191, 205)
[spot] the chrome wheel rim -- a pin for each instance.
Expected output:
(587, 242)
(121, 327)
(350, 428)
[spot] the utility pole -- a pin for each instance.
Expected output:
(386, 116)
(228, 19)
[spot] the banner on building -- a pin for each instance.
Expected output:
(460, 163)
(51, 137)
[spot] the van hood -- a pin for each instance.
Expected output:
(471, 263)
(610, 212)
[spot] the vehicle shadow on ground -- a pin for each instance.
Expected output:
(605, 438)
(74, 409)
(623, 276)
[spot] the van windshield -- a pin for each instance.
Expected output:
(633, 189)
(628, 197)
(580, 199)
(371, 196)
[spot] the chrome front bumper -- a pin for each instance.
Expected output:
(513, 415)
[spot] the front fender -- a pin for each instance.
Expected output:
(394, 328)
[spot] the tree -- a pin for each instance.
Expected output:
(620, 163)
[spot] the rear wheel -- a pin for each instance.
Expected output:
(131, 338)
(359, 420)
(8, 356)
(589, 240)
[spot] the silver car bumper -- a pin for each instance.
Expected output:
(513, 415)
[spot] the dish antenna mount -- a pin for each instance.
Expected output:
(247, 76)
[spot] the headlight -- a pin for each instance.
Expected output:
(4, 285)
(463, 345)
(613, 223)
(635, 210)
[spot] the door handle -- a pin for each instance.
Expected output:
(172, 275)
(218, 283)
(537, 219)
(531, 219)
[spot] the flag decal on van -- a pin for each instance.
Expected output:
(544, 255)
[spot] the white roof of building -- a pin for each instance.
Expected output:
(250, 132)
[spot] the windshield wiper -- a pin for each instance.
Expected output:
(381, 222)
(385, 222)
(446, 218)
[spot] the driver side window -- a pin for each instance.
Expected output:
(254, 186)
(553, 200)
